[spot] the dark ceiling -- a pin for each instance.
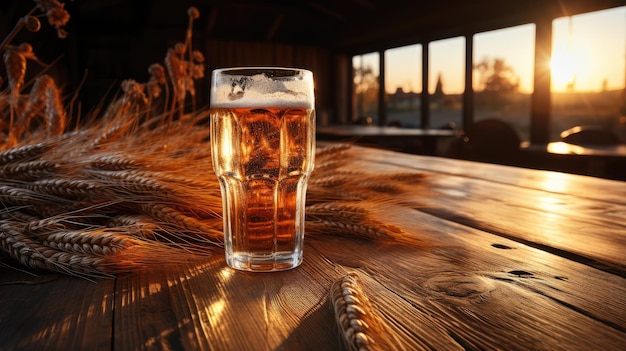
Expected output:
(345, 25)
(109, 39)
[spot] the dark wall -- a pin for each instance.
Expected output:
(107, 44)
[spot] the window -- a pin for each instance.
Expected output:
(446, 80)
(365, 88)
(503, 66)
(403, 85)
(587, 72)
(588, 79)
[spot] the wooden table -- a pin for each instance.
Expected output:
(411, 140)
(509, 259)
(607, 161)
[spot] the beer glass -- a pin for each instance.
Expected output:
(263, 149)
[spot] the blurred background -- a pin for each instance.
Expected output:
(540, 66)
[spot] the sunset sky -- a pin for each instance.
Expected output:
(594, 55)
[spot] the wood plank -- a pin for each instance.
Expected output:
(209, 306)
(493, 267)
(51, 311)
(461, 288)
(550, 214)
(479, 291)
(575, 185)
(582, 229)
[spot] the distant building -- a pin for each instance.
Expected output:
(401, 100)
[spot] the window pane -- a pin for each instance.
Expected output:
(365, 88)
(446, 82)
(587, 72)
(403, 85)
(503, 76)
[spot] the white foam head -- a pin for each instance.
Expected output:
(262, 87)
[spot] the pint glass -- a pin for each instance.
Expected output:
(263, 149)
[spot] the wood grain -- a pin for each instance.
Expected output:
(467, 289)
(575, 216)
(611, 191)
(471, 283)
(583, 229)
(205, 305)
(503, 259)
(50, 311)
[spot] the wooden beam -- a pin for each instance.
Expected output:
(425, 108)
(540, 99)
(468, 94)
(382, 103)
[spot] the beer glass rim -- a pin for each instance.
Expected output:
(264, 86)
(274, 71)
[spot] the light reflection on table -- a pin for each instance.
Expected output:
(562, 148)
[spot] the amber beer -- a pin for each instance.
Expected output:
(263, 141)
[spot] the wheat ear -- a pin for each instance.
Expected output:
(34, 254)
(24, 153)
(29, 170)
(356, 319)
(373, 230)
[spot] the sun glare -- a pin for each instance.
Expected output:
(564, 66)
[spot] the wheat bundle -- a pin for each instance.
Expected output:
(135, 182)
(151, 189)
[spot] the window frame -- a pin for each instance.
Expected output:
(541, 102)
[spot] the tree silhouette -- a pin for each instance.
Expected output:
(366, 91)
(497, 76)
(498, 82)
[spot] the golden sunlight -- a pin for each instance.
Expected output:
(555, 182)
(214, 311)
(564, 67)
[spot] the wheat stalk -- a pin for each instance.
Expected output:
(96, 242)
(372, 230)
(67, 188)
(358, 323)
(15, 196)
(346, 211)
(212, 233)
(24, 152)
(143, 226)
(30, 170)
(112, 162)
(33, 254)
